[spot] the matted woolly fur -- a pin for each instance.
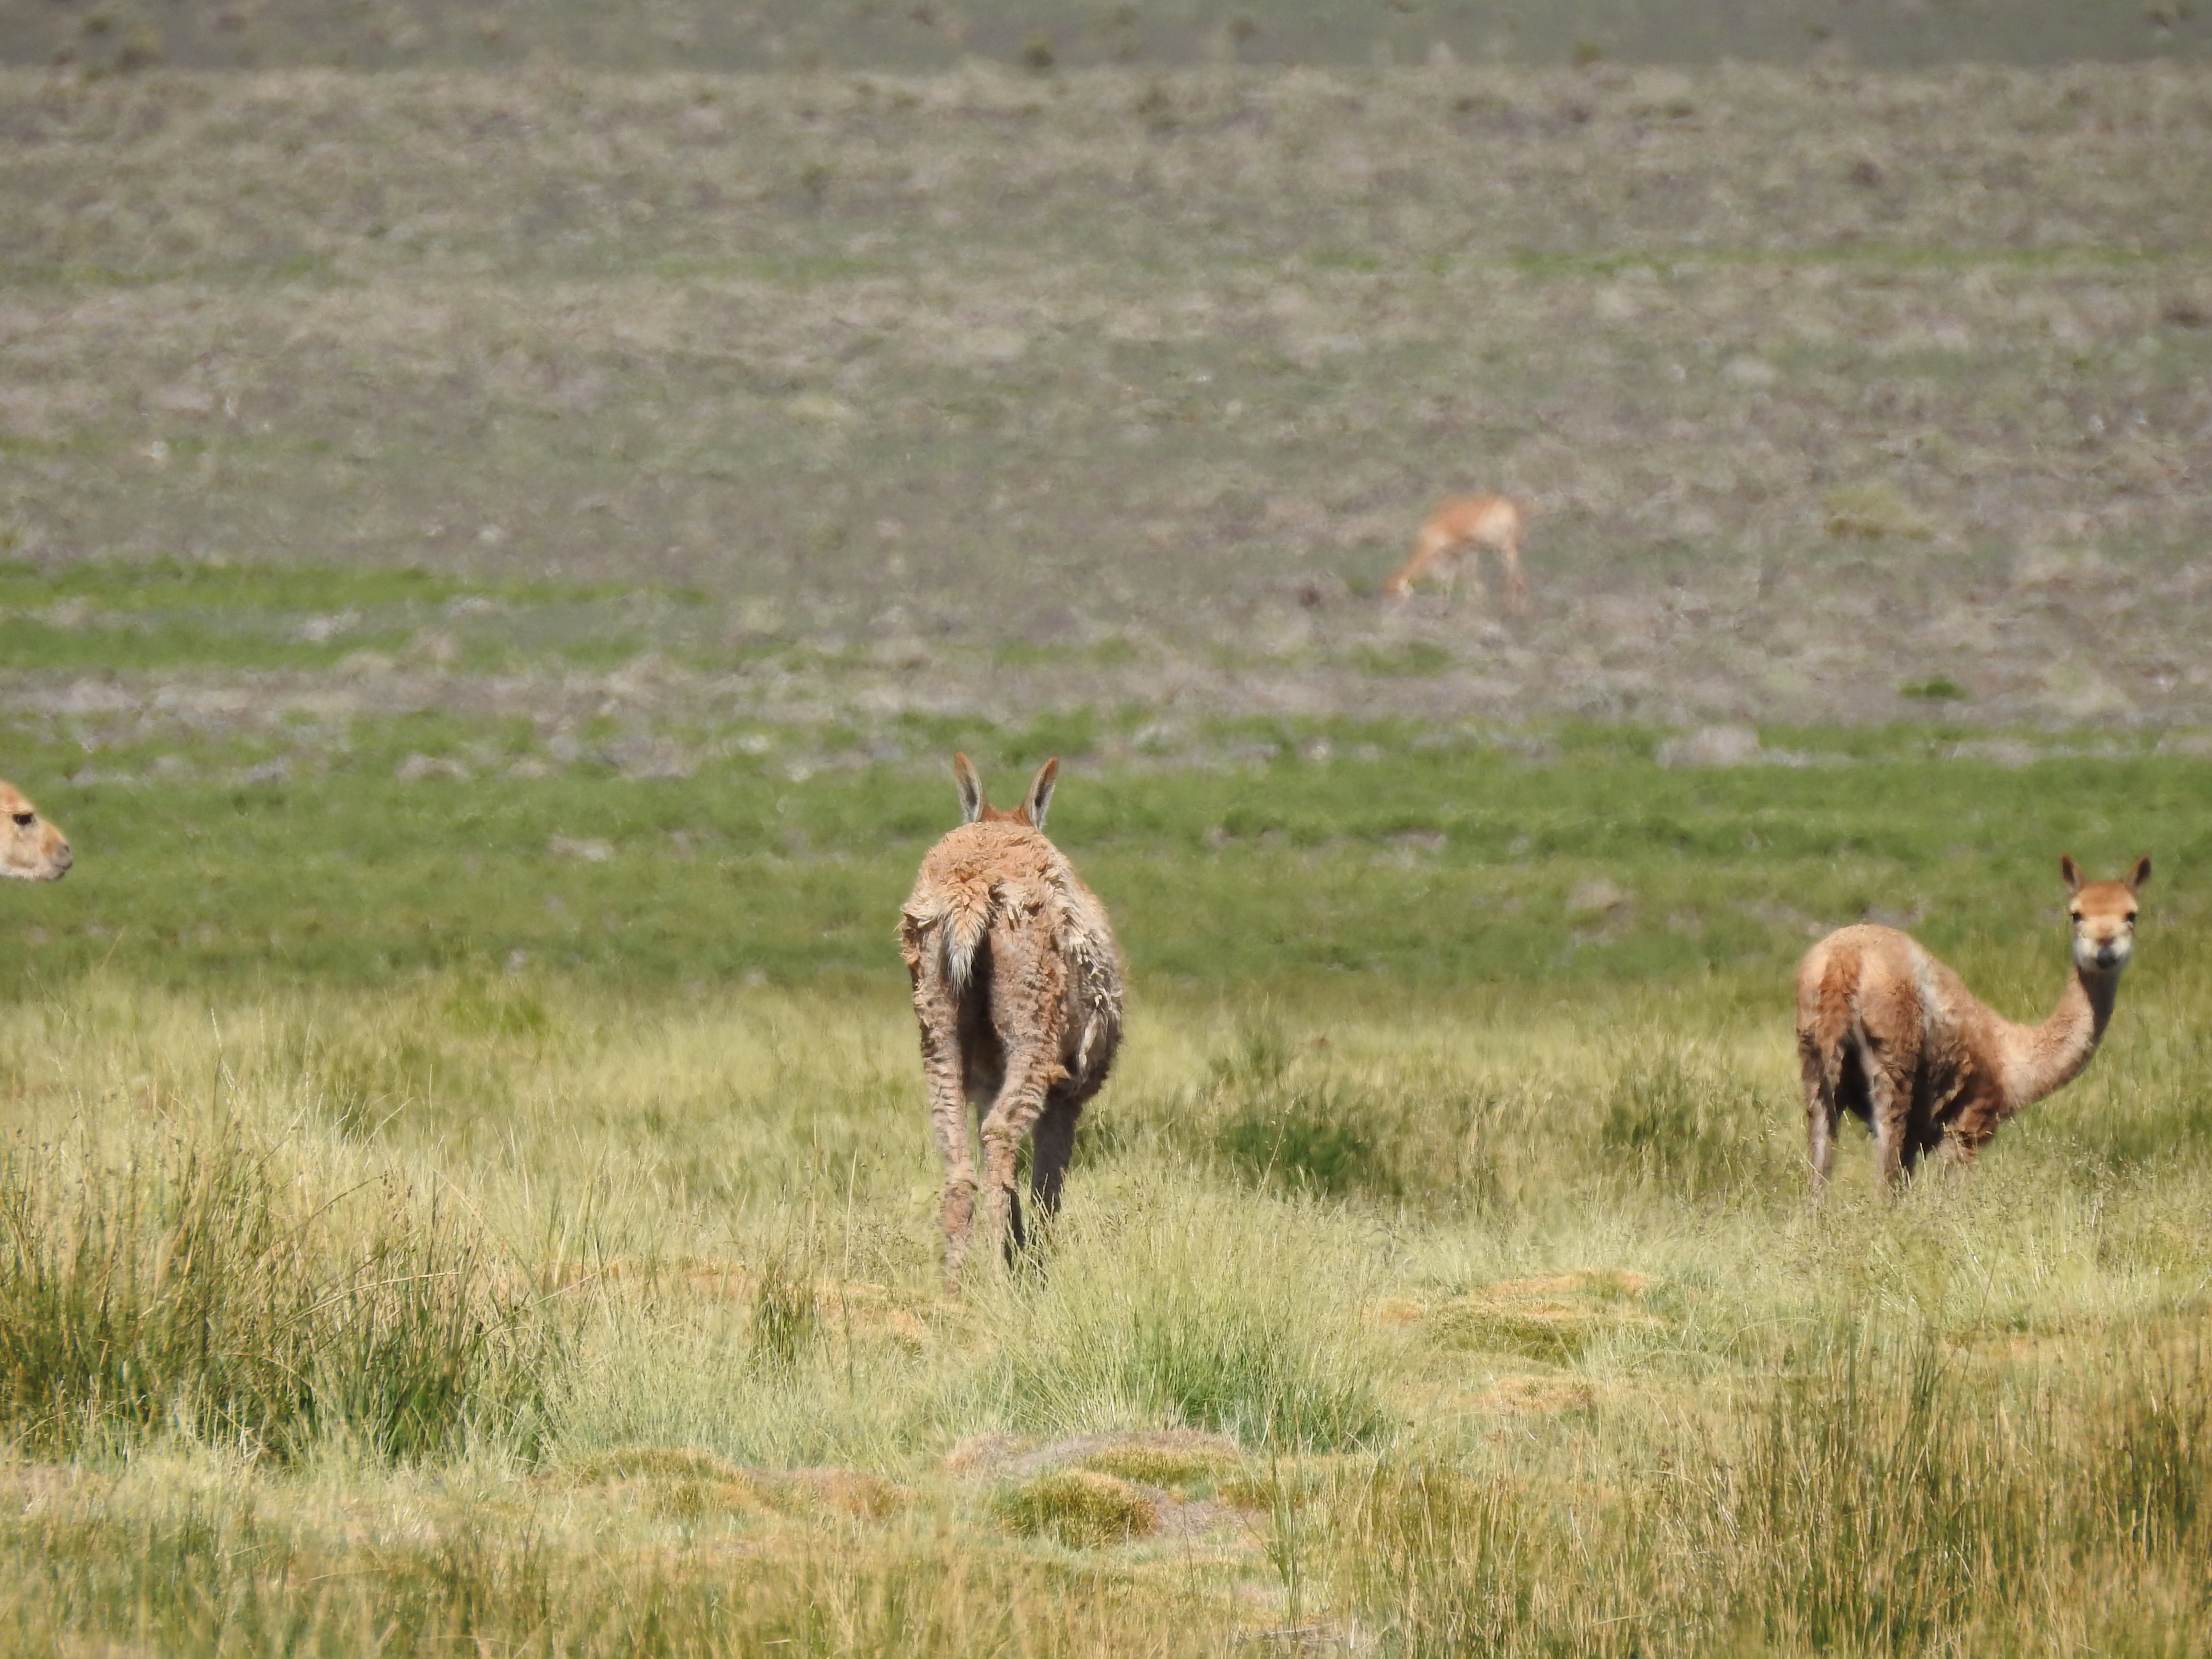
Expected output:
(1017, 989)
(31, 849)
(1887, 1032)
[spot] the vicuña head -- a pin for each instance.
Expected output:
(1018, 987)
(1890, 1034)
(31, 849)
(2103, 916)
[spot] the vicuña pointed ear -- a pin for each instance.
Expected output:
(971, 787)
(2071, 871)
(2141, 874)
(1040, 795)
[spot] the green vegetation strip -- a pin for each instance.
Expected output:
(1430, 865)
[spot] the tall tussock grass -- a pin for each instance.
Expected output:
(1675, 1120)
(1278, 1114)
(1188, 1310)
(1887, 1502)
(200, 1577)
(191, 1285)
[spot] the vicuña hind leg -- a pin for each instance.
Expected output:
(942, 1069)
(1005, 1125)
(1026, 986)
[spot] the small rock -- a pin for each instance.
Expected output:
(1596, 896)
(417, 768)
(1711, 745)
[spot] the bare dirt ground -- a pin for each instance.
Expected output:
(1835, 397)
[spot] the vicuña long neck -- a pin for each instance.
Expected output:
(2055, 1052)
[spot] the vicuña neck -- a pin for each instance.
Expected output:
(2057, 1050)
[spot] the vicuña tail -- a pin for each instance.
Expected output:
(968, 908)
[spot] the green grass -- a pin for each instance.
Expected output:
(185, 1288)
(595, 1302)
(1432, 866)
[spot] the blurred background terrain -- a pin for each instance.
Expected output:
(1834, 395)
(933, 34)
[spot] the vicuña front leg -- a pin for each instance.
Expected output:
(1052, 1143)
(1889, 1100)
(1516, 585)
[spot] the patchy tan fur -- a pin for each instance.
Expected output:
(1018, 988)
(31, 850)
(1463, 524)
(1887, 1032)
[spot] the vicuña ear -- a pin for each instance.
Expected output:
(1040, 795)
(971, 787)
(2140, 875)
(2071, 871)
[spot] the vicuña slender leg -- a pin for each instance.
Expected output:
(1052, 1143)
(1516, 585)
(939, 1019)
(1025, 996)
(1889, 1097)
(1823, 1116)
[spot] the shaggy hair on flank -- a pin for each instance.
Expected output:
(1017, 986)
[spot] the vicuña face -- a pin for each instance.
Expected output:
(31, 850)
(2103, 914)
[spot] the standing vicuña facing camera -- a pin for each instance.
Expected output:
(1017, 984)
(1890, 1034)
(31, 849)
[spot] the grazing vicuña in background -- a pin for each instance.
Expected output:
(1462, 525)
(31, 849)
(1889, 1034)
(1017, 985)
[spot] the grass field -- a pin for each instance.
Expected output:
(421, 1230)
(495, 564)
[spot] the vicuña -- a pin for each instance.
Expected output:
(1890, 1034)
(1017, 985)
(31, 850)
(1463, 524)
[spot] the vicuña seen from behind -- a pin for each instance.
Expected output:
(1017, 985)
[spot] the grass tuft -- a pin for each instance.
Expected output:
(1084, 1509)
(786, 1321)
(1205, 1317)
(192, 1287)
